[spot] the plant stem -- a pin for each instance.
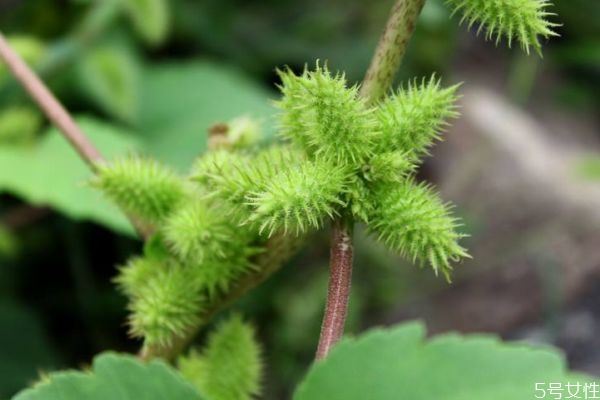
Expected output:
(57, 114)
(390, 49)
(378, 79)
(49, 105)
(338, 292)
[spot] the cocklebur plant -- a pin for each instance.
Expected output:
(346, 157)
(210, 226)
(195, 252)
(353, 159)
(350, 154)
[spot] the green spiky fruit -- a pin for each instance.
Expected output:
(411, 119)
(229, 367)
(166, 306)
(133, 276)
(196, 231)
(410, 219)
(141, 186)
(237, 179)
(216, 275)
(389, 166)
(525, 20)
(232, 175)
(325, 117)
(214, 164)
(298, 198)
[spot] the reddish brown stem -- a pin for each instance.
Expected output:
(57, 114)
(338, 293)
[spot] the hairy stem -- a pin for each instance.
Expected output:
(380, 75)
(338, 292)
(391, 48)
(57, 114)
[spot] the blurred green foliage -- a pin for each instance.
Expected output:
(588, 167)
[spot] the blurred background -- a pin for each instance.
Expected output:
(522, 165)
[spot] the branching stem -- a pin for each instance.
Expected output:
(380, 75)
(56, 113)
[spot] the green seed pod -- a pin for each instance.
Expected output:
(326, 118)
(410, 219)
(411, 119)
(229, 367)
(142, 187)
(525, 20)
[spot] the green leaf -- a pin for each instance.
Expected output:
(399, 363)
(114, 376)
(19, 125)
(52, 174)
(150, 18)
(180, 101)
(110, 77)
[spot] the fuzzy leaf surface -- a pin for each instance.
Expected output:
(114, 376)
(399, 363)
